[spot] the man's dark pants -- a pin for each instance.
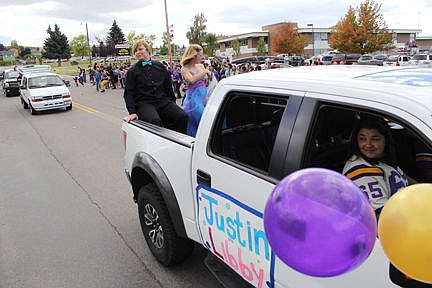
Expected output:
(167, 114)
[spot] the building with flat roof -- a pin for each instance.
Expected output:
(317, 39)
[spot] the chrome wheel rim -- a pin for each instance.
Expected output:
(152, 221)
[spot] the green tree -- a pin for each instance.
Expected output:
(15, 47)
(2, 47)
(56, 45)
(115, 36)
(211, 44)
(236, 47)
(261, 48)
(197, 32)
(132, 37)
(24, 52)
(79, 46)
(164, 48)
(363, 30)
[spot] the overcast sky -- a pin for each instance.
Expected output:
(27, 20)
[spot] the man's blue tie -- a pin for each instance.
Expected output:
(145, 63)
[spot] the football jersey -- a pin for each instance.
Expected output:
(379, 181)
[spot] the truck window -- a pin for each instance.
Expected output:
(330, 140)
(246, 129)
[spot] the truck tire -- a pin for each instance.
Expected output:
(159, 232)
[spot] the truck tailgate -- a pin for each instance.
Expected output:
(173, 152)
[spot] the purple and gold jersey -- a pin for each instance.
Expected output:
(379, 181)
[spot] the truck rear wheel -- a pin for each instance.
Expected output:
(159, 232)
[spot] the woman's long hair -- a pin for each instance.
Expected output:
(190, 53)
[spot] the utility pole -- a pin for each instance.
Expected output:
(168, 36)
(88, 44)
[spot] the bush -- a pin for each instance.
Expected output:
(9, 63)
(74, 62)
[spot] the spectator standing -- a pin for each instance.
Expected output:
(104, 80)
(97, 78)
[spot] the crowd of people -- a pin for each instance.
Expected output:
(103, 76)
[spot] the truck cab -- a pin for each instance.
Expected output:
(10, 82)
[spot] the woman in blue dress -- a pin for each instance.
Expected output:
(195, 75)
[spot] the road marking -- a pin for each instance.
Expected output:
(85, 108)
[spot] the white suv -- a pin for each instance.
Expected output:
(421, 59)
(44, 91)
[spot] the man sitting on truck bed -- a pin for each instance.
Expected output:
(148, 93)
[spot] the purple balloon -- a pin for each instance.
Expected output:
(320, 223)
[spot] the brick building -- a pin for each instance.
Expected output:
(317, 39)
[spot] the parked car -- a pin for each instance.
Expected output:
(252, 59)
(421, 59)
(366, 59)
(397, 60)
(326, 60)
(379, 59)
(10, 82)
(294, 60)
(338, 58)
(369, 59)
(351, 59)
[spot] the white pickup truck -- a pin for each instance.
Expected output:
(256, 129)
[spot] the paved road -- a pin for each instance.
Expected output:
(67, 218)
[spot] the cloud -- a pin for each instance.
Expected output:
(27, 21)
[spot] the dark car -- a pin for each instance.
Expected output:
(10, 82)
(338, 58)
(351, 58)
(251, 59)
(294, 60)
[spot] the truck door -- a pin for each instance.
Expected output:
(234, 178)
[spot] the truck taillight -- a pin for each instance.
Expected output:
(397, 64)
(124, 139)
(66, 96)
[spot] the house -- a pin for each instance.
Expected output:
(7, 56)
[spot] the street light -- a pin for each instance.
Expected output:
(313, 38)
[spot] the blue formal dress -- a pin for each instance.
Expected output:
(193, 105)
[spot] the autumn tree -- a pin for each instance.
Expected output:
(363, 30)
(197, 32)
(287, 40)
